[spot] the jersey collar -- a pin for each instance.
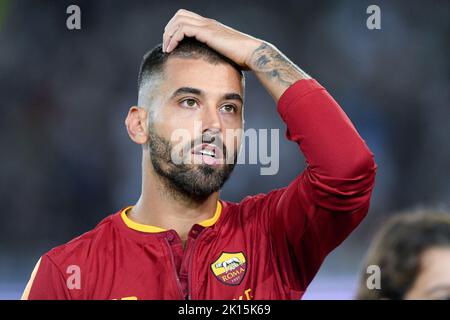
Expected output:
(154, 229)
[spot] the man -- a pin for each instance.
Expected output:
(179, 241)
(412, 252)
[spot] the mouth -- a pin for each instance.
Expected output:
(209, 154)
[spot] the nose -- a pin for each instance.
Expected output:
(211, 121)
(209, 136)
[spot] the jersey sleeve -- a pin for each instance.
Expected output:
(319, 209)
(46, 282)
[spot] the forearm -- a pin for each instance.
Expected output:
(326, 136)
(334, 148)
(275, 71)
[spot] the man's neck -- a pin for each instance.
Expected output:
(163, 208)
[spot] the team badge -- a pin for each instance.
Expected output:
(230, 268)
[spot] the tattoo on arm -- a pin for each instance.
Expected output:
(269, 61)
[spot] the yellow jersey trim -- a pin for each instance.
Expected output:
(209, 222)
(153, 229)
(27, 290)
(138, 226)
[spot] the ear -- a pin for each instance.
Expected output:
(136, 123)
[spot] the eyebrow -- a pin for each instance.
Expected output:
(442, 287)
(189, 90)
(233, 96)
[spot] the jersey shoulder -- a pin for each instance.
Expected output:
(253, 204)
(81, 248)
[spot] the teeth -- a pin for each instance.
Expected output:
(208, 153)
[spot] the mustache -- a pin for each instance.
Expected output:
(208, 138)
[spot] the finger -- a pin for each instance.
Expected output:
(188, 13)
(186, 31)
(181, 16)
(173, 27)
(166, 39)
(182, 13)
(173, 24)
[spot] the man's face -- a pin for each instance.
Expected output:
(198, 105)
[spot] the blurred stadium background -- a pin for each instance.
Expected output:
(66, 159)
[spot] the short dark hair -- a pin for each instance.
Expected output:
(154, 60)
(397, 250)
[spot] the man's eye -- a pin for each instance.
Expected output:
(228, 108)
(189, 103)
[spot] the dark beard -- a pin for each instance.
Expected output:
(193, 181)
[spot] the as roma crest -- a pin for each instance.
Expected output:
(230, 268)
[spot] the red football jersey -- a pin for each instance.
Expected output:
(268, 246)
